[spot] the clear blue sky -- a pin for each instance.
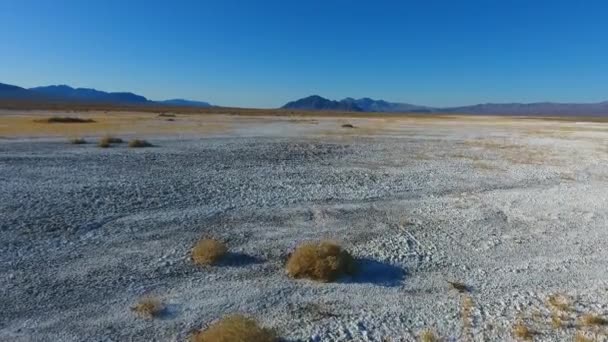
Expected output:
(264, 53)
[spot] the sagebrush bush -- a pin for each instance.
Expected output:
(139, 143)
(324, 261)
(107, 141)
(77, 141)
(149, 307)
(235, 328)
(208, 251)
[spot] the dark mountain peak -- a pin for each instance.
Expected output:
(316, 102)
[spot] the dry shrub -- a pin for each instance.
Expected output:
(149, 307)
(560, 302)
(428, 335)
(581, 337)
(77, 141)
(139, 143)
(64, 119)
(348, 126)
(522, 332)
(324, 261)
(234, 328)
(208, 251)
(107, 141)
(590, 320)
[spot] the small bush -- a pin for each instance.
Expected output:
(65, 119)
(107, 141)
(234, 328)
(149, 307)
(348, 126)
(139, 143)
(428, 335)
(208, 251)
(592, 320)
(560, 302)
(77, 141)
(522, 332)
(323, 261)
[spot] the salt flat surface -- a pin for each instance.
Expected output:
(515, 212)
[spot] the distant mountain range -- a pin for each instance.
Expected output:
(64, 93)
(319, 103)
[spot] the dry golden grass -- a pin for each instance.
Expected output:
(592, 320)
(139, 143)
(557, 320)
(466, 309)
(235, 328)
(65, 119)
(208, 251)
(108, 140)
(560, 302)
(324, 261)
(581, 337)
(77, 141)
(522, 332)
(428, 335)
(149, 307)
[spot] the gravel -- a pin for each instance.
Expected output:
(85, 232)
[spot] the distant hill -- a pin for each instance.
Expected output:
(11, 92)
(316, 102)
(65, 93)
(185, 103)
(369, 105)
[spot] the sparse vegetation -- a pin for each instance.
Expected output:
(324, 261)
(581, 337)
(235, 328)
(208, 251)
(64, 119)
(591, 320)
(559, 302)
(522, 332)
(166, 115)
(107, 141)
(428, 335)
(77, 141)
(149, 307)
(139, 143)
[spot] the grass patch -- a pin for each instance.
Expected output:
(324, 261)
(108, 140)
(522, 332)
(208, 251)
(428, 335)
(64, 119)
(581, 337)
(560, 302)
(149, 307)
(77, 141)
(592, 320)
(235, 328)
(139, 143)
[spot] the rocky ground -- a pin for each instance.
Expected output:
(515, 213)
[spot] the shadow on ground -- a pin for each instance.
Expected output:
(235, 259)
(377, 273)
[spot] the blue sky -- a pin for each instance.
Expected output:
(264, 53)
